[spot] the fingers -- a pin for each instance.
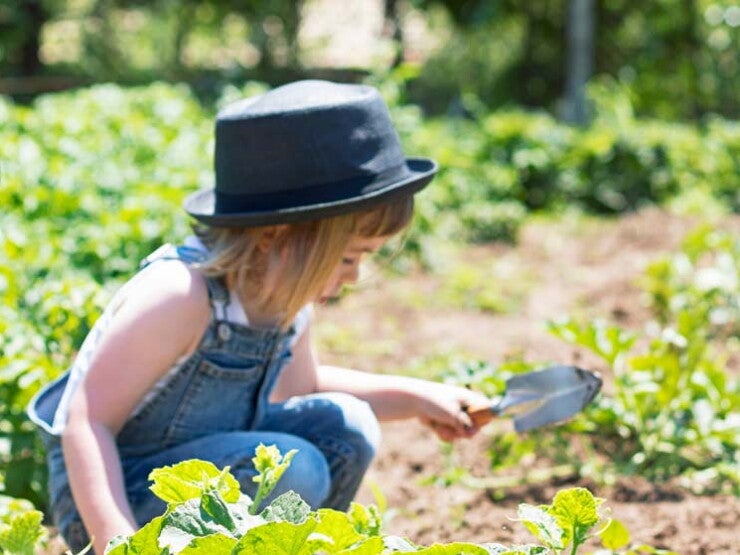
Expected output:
(443, 409)
(449, 433)
(469, 397)
(445, 433)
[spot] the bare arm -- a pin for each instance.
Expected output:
(391, 397)
(299, 376)
(162, 319)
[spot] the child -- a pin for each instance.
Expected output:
(206, 352)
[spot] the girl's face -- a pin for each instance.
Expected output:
(348, 270)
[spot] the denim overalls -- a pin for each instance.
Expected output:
(215, 407)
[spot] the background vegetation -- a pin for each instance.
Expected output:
(678, 58)
(91, 178)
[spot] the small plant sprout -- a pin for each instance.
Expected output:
(568, 521)
(22, 532)
(270, 465)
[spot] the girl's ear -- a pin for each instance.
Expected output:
(269, 236)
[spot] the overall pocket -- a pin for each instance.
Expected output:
(219, 398)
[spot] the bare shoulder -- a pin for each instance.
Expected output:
(161, 317)
(168, 293)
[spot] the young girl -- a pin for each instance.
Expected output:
(206, 352)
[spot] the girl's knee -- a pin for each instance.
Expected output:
(358, 419)
(350, 440)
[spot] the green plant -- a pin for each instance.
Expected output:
(671, 405)
(570, 520)
(702, 278)
(671, 412)
(208, 514)
(21, 528)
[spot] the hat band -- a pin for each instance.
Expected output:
(325, 193)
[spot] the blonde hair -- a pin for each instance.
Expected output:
(312, 251)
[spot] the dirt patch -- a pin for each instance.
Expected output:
(662, 516)
(584, 268)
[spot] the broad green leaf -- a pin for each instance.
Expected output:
(398, 544)
(185, 523)
(216, 508)
(575, 510)
(498, 549)
(458, 548)
(20, 537)
(615, 536)
(543, 525)
(143, 542)
(243, 519)
(578, 505)
(117, 545)
(189, 479)
(216, 544)
(369, 546)
(287, 507)
(333, 533)
(276, 538)
(146, 540)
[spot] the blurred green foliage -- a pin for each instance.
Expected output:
(673, 411)
(679, 58)
(88, 186)
(498, 167)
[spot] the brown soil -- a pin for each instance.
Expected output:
(586, 268)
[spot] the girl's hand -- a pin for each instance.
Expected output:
(441, 407)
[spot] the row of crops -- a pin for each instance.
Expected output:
(91, 182)
(670, 411)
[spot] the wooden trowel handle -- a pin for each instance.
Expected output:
(480, 414)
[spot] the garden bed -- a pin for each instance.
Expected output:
(584, 267)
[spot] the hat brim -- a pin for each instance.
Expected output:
(201, 205)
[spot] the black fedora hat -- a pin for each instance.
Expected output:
(306, 150)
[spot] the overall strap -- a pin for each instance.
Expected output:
(218, 294)
(219, 297)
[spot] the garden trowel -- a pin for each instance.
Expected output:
(541, 397)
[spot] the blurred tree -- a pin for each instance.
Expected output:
(395, 29)
(580, 29)
(679, 57)
(21, 22)
(273, 26)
